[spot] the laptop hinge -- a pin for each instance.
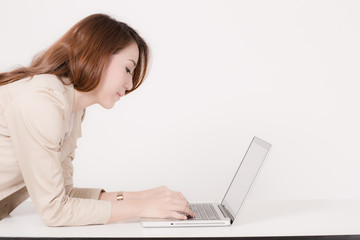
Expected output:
(226, 213)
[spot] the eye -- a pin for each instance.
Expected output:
(128, 70)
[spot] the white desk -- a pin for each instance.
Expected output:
(257, 218)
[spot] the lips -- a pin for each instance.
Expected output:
(119, 95)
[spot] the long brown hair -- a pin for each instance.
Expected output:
(82, 53)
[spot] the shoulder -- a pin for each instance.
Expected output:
(37, 89)
(41, 105)
(37, 82)
(47, 81)
(39, 95)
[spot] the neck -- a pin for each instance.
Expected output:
(82, 100)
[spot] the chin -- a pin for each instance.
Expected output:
(108, 105)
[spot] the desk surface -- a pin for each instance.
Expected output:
(257, 218)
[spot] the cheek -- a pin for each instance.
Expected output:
(114, 81)
(116, 72)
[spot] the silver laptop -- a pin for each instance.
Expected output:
(224, 214)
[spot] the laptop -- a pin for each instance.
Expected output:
(224, 214)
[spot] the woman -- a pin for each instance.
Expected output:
(99, 60)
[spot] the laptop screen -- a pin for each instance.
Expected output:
(245, 175)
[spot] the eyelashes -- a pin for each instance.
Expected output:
(128, 70)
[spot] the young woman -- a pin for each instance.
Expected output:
(99, 60)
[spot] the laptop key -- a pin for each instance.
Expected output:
(195, 211)
(215, 213)
(209, 211)
(203, 213)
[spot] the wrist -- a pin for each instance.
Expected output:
(122, 210)
(130, 195)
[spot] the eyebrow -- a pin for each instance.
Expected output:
(133, 62)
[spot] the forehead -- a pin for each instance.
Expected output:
(129, 52)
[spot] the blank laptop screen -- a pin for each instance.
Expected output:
(245, 175)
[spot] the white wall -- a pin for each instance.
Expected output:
(222, 72)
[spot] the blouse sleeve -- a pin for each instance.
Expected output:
(36, 122)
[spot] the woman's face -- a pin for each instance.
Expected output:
(117, 76)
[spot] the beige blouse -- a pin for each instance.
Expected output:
(36, 156)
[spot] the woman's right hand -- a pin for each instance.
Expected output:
(161, 202)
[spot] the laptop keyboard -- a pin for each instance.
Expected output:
(204, 212)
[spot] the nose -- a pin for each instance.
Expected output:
(128, 84)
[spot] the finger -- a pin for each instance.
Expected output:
(177, 215)
(183, 209)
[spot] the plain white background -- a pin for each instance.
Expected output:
(222, 72)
